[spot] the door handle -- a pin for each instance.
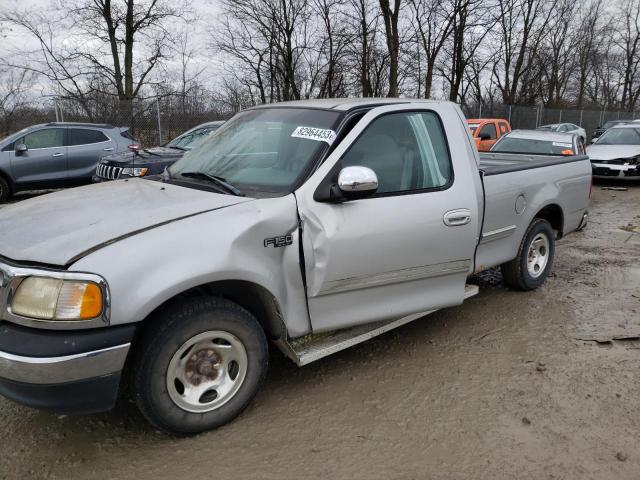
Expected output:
(458, 217)
(110, 149)
(58, 155)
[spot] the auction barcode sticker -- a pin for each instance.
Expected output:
(317, 134)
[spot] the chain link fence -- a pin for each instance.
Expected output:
(151, 121)
(157, 120)
(531, 117)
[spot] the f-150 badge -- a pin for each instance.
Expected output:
(281, 241)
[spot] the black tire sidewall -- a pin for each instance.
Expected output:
(150, 388)
(540, 226)
(5, 192)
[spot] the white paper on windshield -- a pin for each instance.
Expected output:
(560, 144)
(317, 134)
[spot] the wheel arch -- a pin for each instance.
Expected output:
(255, 298)
(553, 214)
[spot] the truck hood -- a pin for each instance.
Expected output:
(611, 152)
(61, 227)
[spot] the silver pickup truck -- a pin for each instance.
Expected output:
(315, 225)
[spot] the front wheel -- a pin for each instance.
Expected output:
(533, 263)
(199, 364)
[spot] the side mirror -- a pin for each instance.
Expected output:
(21, 148)
(357, 182)
(484, 136)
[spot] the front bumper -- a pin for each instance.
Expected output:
(63, 371)
(614, 170)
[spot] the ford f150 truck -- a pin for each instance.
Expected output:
(315, 225)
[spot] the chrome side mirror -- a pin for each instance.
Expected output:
(356, 181)
(21, 148)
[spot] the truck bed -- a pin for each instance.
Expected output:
(498, 163)
(516, 187)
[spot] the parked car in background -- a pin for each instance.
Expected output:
(540, 142)
(55, 155)
(487, 131)
(314, 224)
(616, 153)
(566, 128)
(140, 162)
(611, 123)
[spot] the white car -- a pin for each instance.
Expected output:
(566, 128)
(616, 153)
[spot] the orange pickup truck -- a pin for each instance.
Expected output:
(487, 131)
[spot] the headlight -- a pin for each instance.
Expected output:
(135, 172)
(55, 299)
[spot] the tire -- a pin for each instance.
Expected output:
(184, 390)
(5, 190)
(521, 274)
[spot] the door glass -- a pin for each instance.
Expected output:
(46, 138)
(407, 151)
(503, 128)
(84, 136)
(489, 128)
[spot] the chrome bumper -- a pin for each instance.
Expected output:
(63, 369)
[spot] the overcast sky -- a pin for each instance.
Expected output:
(13, 40)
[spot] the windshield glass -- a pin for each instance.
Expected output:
(612, 123)
(190, 140)
(620, 136)
(536, 147)
(265, 150)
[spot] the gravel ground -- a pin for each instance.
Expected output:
(538, 385)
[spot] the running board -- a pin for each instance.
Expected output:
(312, 347)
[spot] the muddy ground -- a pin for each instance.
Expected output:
(509, 385)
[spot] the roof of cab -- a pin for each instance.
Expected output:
(344, 104)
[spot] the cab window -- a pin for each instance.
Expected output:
(407, 151)
(490, 129)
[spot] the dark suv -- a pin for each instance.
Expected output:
(56, 155)
(141, 162)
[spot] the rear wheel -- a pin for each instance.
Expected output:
(200, 367)
(531, 267)
(5, 190)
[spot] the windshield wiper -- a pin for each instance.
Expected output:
(178, 148)
(214, 179)
(150, 152)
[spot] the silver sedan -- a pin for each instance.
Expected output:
(566, 128)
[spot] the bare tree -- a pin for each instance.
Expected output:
(433, 21)
(628, 40)
(14, 85)
(390, 15)
(103, 53)
(521, 28)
